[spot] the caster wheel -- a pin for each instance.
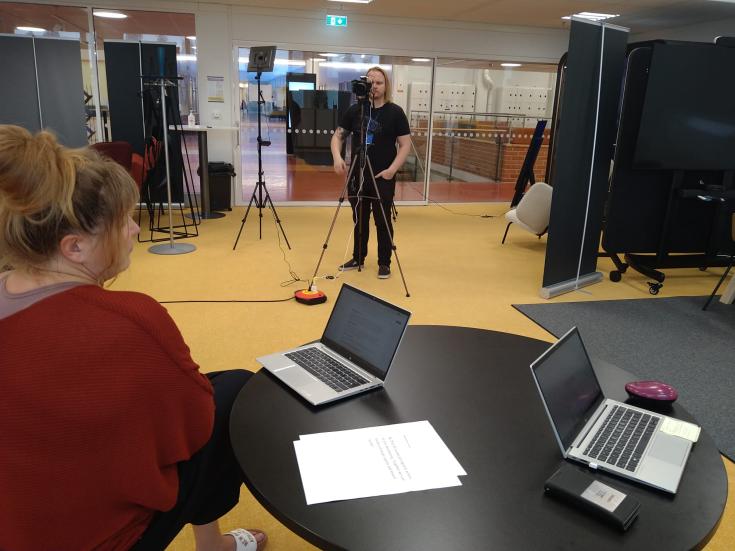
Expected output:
(615, 276)
(654, 288)
(703, 268)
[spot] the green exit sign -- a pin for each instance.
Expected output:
(336, 21)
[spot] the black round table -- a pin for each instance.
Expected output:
(475, 388)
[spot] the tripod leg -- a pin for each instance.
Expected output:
(275, 215)
(334, 220)
(359, 214)
(244, 218)
(385, 221)
(260, 203)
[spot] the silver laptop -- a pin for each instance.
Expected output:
(354, 354)
(602, 433)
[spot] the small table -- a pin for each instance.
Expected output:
(202, 131)
(475, 388)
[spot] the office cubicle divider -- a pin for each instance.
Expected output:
(586, 131)
(43, 88)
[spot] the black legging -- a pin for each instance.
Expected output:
(209, 482)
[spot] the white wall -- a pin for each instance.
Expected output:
(215, 58)
(703, 32)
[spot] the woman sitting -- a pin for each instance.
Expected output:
(111, 437)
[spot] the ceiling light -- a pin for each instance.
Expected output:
(191, 37)
(510, 64)
(296, 62)
(592, 16)
(329, 55)
(420, 59)
(110, 14)
(279, 61)
(186, 57)
(352, 65)
(31, 29)
(353, 1)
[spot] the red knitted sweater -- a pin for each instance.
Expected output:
(100, 400)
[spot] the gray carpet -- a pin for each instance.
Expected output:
(668, 339)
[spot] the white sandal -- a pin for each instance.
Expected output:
(244, 540)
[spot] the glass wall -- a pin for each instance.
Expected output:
(484, 117)
(49, 21)
(157, 27)
(305, 96)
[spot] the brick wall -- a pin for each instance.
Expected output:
(513, 156)
(483, 148)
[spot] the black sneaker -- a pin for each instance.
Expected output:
(350, 265)
(383, 272)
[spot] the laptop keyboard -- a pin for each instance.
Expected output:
(623, 438)
(326, 369)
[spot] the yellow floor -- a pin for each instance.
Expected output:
(456, 270)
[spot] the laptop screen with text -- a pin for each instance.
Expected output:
(569, 386)
(365, 329)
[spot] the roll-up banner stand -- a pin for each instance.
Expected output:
(586, 134)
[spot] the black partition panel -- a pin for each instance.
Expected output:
(18, 89)
(640, 199)
(122, 63)
(43, 87)
(584, 149)
(61, 89)
(135, 113)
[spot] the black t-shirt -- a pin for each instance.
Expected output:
(384, 125)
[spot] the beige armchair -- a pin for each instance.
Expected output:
(532, 213)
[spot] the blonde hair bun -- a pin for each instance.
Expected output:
(35, 171)
(48, 191)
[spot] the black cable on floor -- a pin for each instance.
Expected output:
(222, 301)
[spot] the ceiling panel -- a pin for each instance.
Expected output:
(638, 15)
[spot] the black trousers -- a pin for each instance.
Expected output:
(209, 482)
(368, 203)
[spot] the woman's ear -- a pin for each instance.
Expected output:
(74, 248)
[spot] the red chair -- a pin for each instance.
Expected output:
(122, 153)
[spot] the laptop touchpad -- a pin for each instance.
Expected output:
(295, 376)
(670, 449)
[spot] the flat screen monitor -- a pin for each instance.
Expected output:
(294, 86)
(688, 117)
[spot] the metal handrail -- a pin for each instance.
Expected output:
(452, 136)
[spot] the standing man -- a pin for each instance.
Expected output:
(385, 124)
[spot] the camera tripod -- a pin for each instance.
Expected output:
(362, 160)
(260, 197)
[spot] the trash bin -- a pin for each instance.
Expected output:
(220, 185)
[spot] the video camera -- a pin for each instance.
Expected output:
(361, 87)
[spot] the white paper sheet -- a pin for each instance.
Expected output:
(374, 461)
